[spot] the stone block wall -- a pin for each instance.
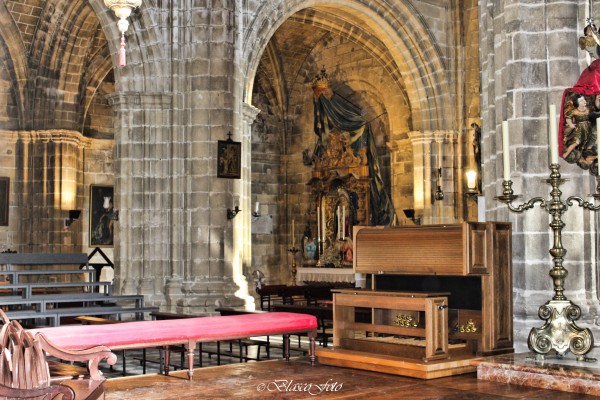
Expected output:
(529, 56)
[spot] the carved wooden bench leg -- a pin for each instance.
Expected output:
(191, 348)
(167, 360)
(286, 347)
(311, 338)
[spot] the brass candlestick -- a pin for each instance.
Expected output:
(294, 250)
(559, 332)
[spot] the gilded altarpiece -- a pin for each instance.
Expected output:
(347, 187)
(340, 189)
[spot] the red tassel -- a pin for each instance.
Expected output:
(122, 51)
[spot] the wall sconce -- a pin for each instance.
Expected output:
(410, 214)
(439, 194)
(256, 212)
(122, 9)
(232, 213)
(472, 184)
(73, 216)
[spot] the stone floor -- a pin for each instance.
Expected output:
(229, 355)
(278, 379)
(246, 379)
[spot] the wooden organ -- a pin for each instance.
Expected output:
(440, 296)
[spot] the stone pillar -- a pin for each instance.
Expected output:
(242, 234)
(519, 82)
(142, 192)
(49, 173)
(401, 164)
(421, 144)
(444, 211)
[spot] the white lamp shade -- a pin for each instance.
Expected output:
(122, 8)
(472, 179)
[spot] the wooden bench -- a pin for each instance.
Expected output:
(323, 314)
(243, 343)
(246, 342)
(187, 332)
(25, 373)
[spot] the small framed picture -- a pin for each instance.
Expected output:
(4, 198)
(229, 159)
(102, 216)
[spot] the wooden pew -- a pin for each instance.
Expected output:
(24, 372)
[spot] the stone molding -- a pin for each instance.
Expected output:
(142, 100)
(46, 136)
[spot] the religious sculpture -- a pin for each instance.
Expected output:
(310, 250)
(347, 183)
(581, 108)
(346, 252)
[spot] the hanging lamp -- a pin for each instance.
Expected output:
(122, 9)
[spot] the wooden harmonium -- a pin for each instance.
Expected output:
(467, 264)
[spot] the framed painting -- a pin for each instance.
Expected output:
(102, 216)
(4, 197)
(229, 159)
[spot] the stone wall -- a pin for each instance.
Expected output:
(525, 68)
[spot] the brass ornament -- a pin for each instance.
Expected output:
(405, 320)
(470, 327)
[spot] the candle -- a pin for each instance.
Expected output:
(340, 223)
(318, 224)
(343, 222)
(256, 207)
(293, 239)
(553, 136)
(597, 136)
(505, 151)
(323, 224)
(338, 214)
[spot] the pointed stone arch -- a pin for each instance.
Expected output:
(17, 61)
(147, 55)
(398, 27)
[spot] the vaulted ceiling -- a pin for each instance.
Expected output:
(57, 53)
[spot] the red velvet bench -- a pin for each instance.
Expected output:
(187, 332)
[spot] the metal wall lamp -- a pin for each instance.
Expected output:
(472, 185)
(232, 213)
(73, 216)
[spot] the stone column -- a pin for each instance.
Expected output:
(519, 81)
(421, 143)
(49, 171)
(242, 234)
(142, 192)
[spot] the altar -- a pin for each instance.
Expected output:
(346, 188)
(333, 275)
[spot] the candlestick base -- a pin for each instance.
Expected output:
(560, 332)
(507, 198)
(294, 270)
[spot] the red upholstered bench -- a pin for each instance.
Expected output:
(187, 332)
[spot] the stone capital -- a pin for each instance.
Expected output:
(249, 113)
(54, 135)
(420, 137)
(140, 100)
